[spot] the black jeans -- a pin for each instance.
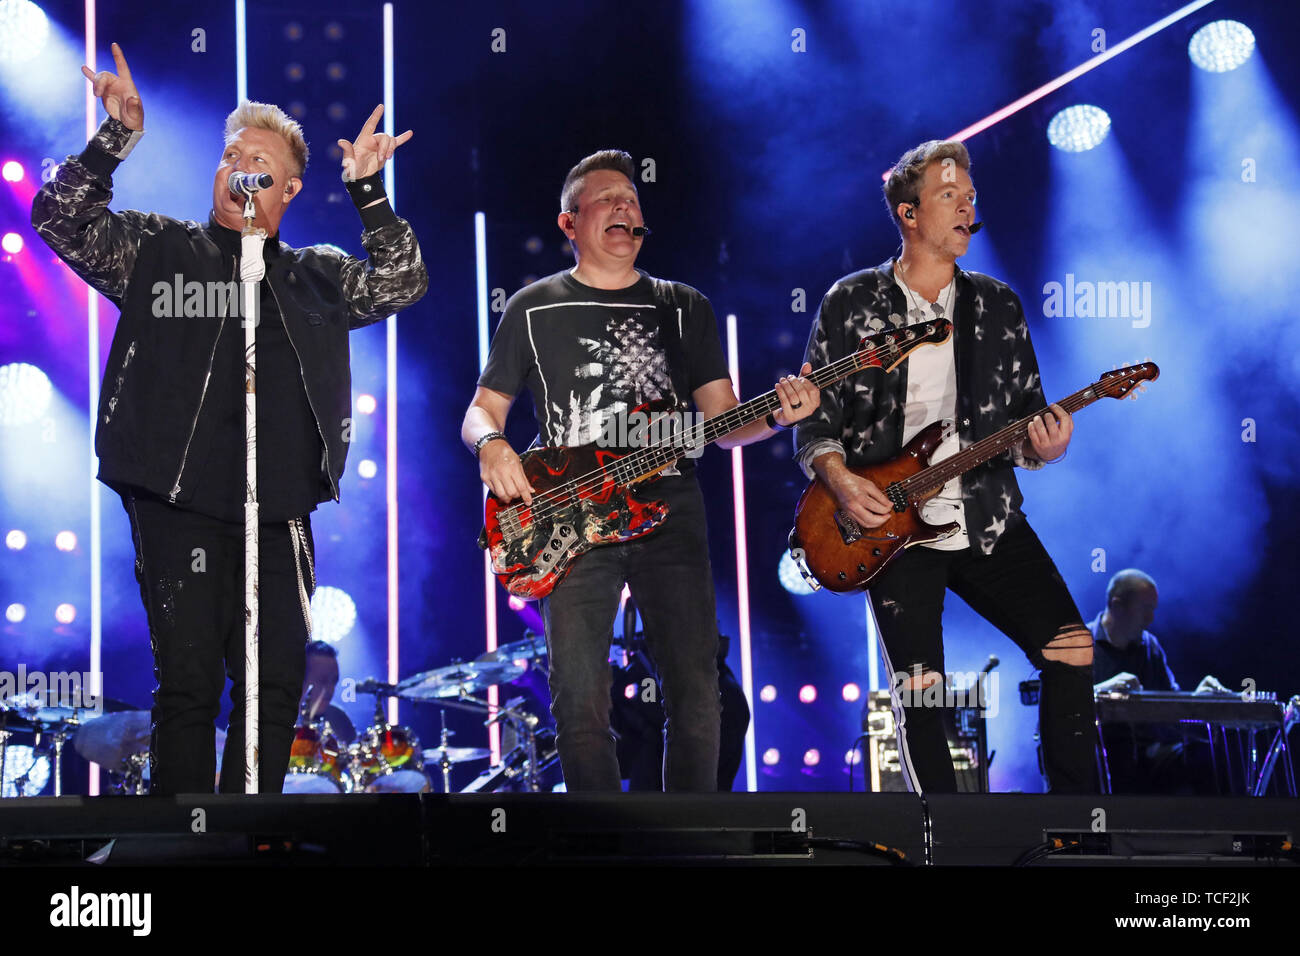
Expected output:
(191, 573)
(671, 581)
(1018, 589)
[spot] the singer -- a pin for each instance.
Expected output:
(982, 379)
(592, 344)
(170, 432)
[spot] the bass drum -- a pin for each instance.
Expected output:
(317, 763)
(388, 759)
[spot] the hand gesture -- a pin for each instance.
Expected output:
(799, 398)
(503, 472)
(117, 92)
(1049, 434)
(860, 498)
(367, 155)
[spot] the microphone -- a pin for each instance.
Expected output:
(993, 662)
(245, 184)
(639, 231)
(976, 227)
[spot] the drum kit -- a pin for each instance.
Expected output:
(385, 757)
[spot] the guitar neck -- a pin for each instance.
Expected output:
(986, 448)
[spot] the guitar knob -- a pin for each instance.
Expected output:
(564, 532)
(843, 576)
(875, 552)
(862, 568)
(546, 556)
(555, 543)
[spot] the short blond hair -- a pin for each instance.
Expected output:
(270, 117)
(904, 182)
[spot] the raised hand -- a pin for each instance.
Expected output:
(117, 92)
(367, 155)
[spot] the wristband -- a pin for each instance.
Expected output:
(773, 424)
(366, 190)
(490, 436)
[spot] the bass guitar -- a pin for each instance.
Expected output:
(844, 556)
(583, 497)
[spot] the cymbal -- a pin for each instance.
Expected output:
(53, 707)
(450, 681)
(455, 754)
(528, 649)
(114, 737)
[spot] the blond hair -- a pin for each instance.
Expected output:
(250, 114)
(904, 182)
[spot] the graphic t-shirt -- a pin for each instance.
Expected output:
(590, 356)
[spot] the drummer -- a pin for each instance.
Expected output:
(322, 676)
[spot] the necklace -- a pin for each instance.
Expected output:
(917, 314)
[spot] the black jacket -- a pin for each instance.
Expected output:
(997, 383)
(149, 432)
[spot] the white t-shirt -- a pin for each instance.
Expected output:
(932, 396)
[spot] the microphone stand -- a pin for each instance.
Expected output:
(252, 269)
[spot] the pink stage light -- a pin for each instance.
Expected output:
(12, 171)
(12, 243)
(807, 693)
(852, 692)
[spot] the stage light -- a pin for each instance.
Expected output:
(65, 541)
(367, 468)
(516, 603)
(853, 757)
(812, 758)
(24, 393)
(788, 573)
(807, 693)
(25, 772)
(65, 614)
(767, 694)
(366, 404)
(1221, 46)
(851, 692)
(15, 613)
(1077, 129)
(16, 540)
(24, 31)
(629, 691)
(12, 171)
(12, 243)
(771, 756)
(333, 614)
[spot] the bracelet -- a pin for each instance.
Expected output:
(773, 424)
(490, 436)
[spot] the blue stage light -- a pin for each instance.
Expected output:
(24, 31)
(791, 579)
(333, 614)
(24, 393)
(1078, 128)
(1221, 46)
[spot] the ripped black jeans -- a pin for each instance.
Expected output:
(1018, 590)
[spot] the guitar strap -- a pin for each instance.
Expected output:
(670, 335)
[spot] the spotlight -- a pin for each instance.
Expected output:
(1077, 129)
(24, 392)
(65, 541)
(771, 756)
(852, 692)
(12, 171)
(366, 468)
(807, 693)
(12, 243)
(788, 573)
(16, 540)
(1221, 46)
(15, 613)
(629, 691)
(333, 614)
(812, 758)
(24, 31)
(65, 614)
(366, 404)
(516, 603)
(767, 694)
(853, 757)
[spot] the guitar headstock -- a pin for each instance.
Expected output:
(888, 348)
(1127, 382)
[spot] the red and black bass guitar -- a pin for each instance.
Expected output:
(583, 496)
(844, 556)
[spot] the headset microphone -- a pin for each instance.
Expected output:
(639, 231)
(976, 227)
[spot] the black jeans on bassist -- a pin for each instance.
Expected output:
(1017, 589)
(191, 573)
(670, 578)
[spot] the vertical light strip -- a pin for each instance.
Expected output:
(489, 579)
(742, 565)
(92, 357)
(873, 648)
(241, 52)
(1035, 95)
(390, 413)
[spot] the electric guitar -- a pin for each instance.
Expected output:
(583, 496)
(843, 556)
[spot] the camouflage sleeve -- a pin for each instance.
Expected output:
(393, 277)
(822, 431)
(71, 213)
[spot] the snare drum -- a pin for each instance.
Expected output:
(388, 759)
(316, 761)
